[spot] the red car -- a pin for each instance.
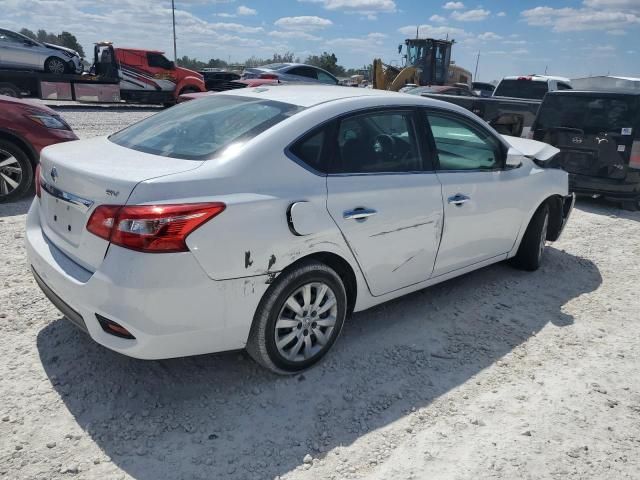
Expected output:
(25, 129)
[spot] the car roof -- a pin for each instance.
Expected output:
(315, 94)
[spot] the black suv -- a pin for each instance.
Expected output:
(598, 134)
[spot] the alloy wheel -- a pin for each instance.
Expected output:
(10, 173)
(56, 66)
(306, 322)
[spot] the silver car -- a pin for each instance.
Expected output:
(21, 52)
(291, 72)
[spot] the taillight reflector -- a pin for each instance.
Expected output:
(268, 76)
(37, 182)
(151, 228)
(634, 161)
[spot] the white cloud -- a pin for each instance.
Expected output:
(295, 34)
(502, 14)
(434, 31)
(489, 36)
(242, 10)
(303, 23)
(476, 15)
(453, 6)
(364, 7)
(359, 44)
(572, 19)
(437, 19)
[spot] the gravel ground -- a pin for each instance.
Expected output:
(499, 374)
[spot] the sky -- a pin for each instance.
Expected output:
(571, 38)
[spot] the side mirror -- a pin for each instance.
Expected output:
(172, 66)
(514, 159)
(29, 43)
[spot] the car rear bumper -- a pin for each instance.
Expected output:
(165, 301)
(606, 187)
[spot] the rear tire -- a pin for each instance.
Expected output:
(288, 340)
(55, 65)
(10, 90)
(16, 172)
(529, 256)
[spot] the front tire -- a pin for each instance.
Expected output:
(55, 65)
(16, 172)
(529, 256)
(298, 319)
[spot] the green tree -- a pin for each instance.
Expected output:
(66, 39)
(28, 33)
(326, 61)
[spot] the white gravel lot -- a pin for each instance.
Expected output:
(499, 374)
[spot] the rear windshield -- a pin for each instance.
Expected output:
(587, 113)
(530, 89)
(198, 129)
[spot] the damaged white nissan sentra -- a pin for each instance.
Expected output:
(261, 218)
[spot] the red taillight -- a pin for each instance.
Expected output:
(268, 76)
(634, 161)
(37, 182)
(102, 220)
(151, 228)
(525, 78)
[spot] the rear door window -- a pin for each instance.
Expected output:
(199, 130)
(304, 72)
(377, 142)
(530, 89)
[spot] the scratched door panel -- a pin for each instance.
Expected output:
(396, 247)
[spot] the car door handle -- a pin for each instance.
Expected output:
(358, 213)
(458, 199)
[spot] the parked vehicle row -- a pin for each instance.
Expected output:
(273, 209)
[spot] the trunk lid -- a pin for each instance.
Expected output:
(79, 176)
(594, 132)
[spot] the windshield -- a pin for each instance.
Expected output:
(421, 90)
(198, 129)
(530, 89)
(591, 114)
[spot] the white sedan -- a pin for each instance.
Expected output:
(261, 218)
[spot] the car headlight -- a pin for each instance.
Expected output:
(68, 54)
(49, 121)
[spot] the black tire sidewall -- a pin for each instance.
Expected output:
(27, 171)
(12, 88)
(308, 277)
(528, 256)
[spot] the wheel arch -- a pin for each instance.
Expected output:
(24, 145)
(341, 266)
(554, 201)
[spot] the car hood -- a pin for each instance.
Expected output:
(31, 106)
(532, 148)
(63, 49)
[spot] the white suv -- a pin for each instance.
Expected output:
(19, 51)
(532, 87)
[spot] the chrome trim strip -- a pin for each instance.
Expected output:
(81, 203)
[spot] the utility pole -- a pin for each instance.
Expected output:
(173, 18)
(475, 74)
